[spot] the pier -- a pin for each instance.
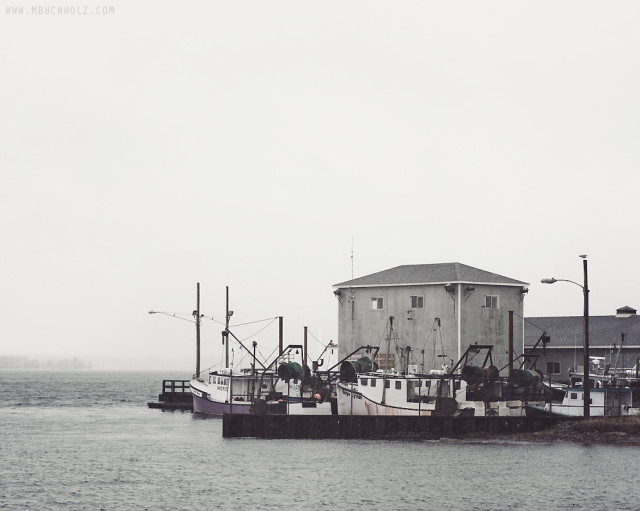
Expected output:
(176, 395)
(377, 427)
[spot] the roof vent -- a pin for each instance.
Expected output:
(625, 312)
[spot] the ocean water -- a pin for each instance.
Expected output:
(87, 440)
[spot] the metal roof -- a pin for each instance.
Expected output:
(441, 273)
(568, 331)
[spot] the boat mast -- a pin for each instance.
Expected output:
(386, 366)
(304, 351)
(197, 318)
(615, 369)
(226, 327)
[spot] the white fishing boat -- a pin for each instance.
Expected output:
(609, 397)
(471, 391)
(226, 392)
(286, 386)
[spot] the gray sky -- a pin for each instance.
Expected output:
(247, 143)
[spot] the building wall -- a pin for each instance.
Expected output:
(557, 362)
(462, 316)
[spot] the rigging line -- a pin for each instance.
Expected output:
(431, 330)
(175, 315)
(242, 357)
(211, 318)
(270, 354)
(257, 321)
(429, 336)
(318, 340)
(263, 328)
(530, 322)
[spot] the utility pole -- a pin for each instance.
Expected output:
(585, 380)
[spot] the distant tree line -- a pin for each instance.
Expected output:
(14, 362)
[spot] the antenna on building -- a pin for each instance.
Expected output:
(351, 257)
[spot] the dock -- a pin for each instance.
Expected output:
(377, 427)
(175, 395)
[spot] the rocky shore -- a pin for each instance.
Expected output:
(603, 430)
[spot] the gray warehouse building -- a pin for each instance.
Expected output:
(438, 311)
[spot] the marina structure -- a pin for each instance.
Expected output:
(443, 344)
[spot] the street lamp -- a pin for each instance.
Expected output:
(585, 291)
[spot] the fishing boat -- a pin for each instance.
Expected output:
(610, 396)
(465, 389)
(226, 392)
(286, 386)
(474, 391)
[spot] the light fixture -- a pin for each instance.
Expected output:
(450, 288)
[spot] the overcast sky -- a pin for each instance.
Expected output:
(250, 144)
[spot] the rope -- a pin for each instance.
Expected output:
(317, 340)
(530, 322)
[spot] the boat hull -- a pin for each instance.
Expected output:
(202, 404)
(352, 402)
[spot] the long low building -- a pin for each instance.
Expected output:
(614, 342)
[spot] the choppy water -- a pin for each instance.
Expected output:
(86, 440)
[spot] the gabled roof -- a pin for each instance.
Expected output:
(568, 331)
(442, 273)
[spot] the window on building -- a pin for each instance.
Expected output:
(553, 367)
(417, 302)
(398, 385)
(387, 384)
(574, 395)
(491, 301)
(363, 382)
(377, 303)
(373, 382)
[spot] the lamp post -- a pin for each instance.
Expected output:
(585, 290)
